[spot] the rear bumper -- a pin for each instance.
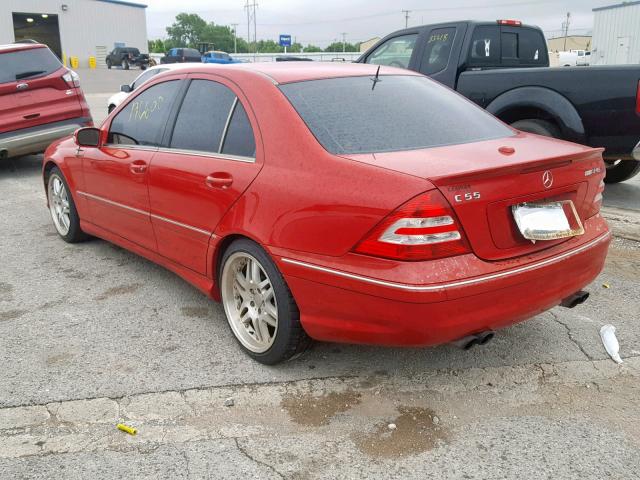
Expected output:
(37, 139)
(354, 308)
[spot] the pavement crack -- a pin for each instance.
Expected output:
(255, 460)
(571, 337)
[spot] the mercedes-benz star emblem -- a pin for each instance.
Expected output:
(547, 179)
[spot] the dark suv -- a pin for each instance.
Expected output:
(127, 56)
(182, 55)
(40, 100)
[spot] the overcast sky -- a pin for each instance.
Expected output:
(322, 22)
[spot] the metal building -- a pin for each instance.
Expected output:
(616, 34)
(75, 28)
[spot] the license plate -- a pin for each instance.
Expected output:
(547, 220)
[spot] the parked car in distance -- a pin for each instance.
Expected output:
(126, 57)
(216, 56)
(503, 66)
(126, 89)
(182, 55)
(40, 99)
(281, 190)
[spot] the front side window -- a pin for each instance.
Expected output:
(400, 112)
(146, 76)
(438, 50)
(143, 119)
(395, 52)
(485, 46)
(203, 117)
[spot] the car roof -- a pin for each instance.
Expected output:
(288, 72)
(14, 47)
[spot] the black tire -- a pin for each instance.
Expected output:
(624, 170)
(290, 339)
(111, 108)
(143, 67)
(539, 127)
(125, 65)
(75, 233)
(108, 64)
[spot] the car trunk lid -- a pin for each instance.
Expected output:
(482, 181)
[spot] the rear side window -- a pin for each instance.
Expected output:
(191, 52)
(531, 47)
(485, 46)
(239, 140)
(401, 112)
(142, 120)
(438, 50)
(395, 52)
(203, 117)
(24, 64)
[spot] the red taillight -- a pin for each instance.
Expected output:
(424, 228)
(513, 23)
(72, 79)
(638, 99)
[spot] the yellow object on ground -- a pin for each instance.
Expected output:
(74, 62)
(92, 62)
(127, 429)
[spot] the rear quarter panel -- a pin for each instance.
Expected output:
(603, 96)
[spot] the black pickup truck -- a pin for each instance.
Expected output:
(503, 66)
(127, 56)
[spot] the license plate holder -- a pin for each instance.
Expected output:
(547, 220)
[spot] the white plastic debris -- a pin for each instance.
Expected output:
(392, 426)
(611, 345)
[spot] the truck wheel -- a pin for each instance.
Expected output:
(539, 127)
(109, 64)
(621, 170)
(125, 65)
(143, 67)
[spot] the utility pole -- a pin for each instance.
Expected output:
(406, 18)
(344, 41)
(565, 26)
(235, 37)
(251, 18)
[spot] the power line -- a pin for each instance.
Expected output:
(395, 12)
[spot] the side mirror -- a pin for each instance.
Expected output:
(87, 137)
(126, 88)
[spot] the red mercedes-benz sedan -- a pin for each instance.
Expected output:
(336, 202)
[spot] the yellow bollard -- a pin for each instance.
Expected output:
(74, 62)
(64, 59)
(92, 62)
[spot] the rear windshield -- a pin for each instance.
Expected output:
(349, 115)
(24, 64)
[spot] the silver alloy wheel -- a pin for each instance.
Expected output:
(249, 302)
(59, 204)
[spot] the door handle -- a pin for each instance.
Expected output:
(219, 180)
(138, 167)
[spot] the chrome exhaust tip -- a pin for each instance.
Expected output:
(575, 299)
(470, 341)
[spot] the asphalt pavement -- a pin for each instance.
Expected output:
(92, 335)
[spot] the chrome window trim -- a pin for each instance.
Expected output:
(146, 148)
(444, 286)
(199, 153)
(145, 213)
(226, 124)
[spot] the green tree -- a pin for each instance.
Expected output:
(312, 49)
(338, 47)
(187, 30)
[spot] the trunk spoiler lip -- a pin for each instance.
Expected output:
(524, 167)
